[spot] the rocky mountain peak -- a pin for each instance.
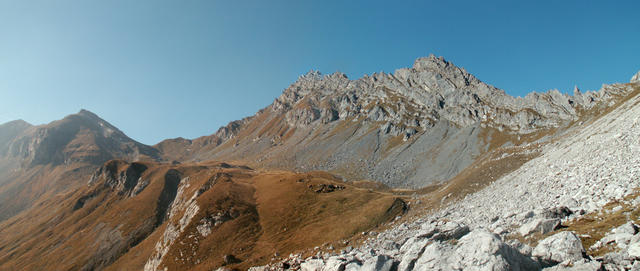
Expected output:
(429, 63)
(433, 89)
(440, 67)
(414, 99)
(315, 75)
(87, 113)
(636, 78)
(80, 137)
(93, 122)
(15, 123)
(576, 91)
(312, 75)
(383, 115)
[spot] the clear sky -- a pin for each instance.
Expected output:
(164, 69)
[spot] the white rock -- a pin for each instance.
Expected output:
(334, 263)
(577, 266)
(483, 250)
(377, 263)
(559, 247)
(434, 257)
(621, 236)
(540, 225)
(411, 250)
(312, 265)
(634, 250)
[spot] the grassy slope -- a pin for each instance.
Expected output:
(274, 211)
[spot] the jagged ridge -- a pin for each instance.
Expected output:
(414, 127)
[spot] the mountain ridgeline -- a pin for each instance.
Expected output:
(331, 158)
(416, 127)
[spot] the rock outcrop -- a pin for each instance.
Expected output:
(540, 225)
(183, 209)
(560, 247)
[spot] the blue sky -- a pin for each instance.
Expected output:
(164, 69)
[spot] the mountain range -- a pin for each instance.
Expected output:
(331, 158)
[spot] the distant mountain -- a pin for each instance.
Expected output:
(413, 128)
(35, 160)
(82, 137)
(9, 131)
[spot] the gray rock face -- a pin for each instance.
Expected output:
(434, 257)
(478, 250)
(622, 235)
(560, 247)
(9, 131)
(378, 263)
(433, 89)
(482, 250)
(540, 225)
(312, 265)
(444, 231)
(411, 251)
(583, 171)
(127, 181)
(634, 250)
(557, 212)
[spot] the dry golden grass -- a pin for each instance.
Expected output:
(274, 211)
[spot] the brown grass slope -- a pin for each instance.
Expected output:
(112, 224)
